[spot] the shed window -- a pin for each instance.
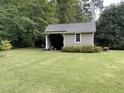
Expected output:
(78, 38)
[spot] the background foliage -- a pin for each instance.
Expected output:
(23, 21)
(110, 27)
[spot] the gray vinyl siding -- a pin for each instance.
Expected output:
(86, 39)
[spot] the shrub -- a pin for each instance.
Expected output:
(98, 49)
(87, 49)
(82, 49)
(105, 48)
(75, 49)
(65, 49)
(5, 45)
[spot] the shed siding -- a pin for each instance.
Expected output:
(86, 39)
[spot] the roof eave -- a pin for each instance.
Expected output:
(58, 32)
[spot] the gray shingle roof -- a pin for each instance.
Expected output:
(71, 28)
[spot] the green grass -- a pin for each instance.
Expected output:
(36, 71)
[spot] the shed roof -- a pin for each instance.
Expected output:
(71, 28)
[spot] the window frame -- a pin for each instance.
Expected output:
(76, 37)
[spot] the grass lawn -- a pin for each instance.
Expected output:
(36, 71)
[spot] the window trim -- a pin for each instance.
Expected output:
(76, 37)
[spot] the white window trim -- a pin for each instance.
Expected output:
(75, 37)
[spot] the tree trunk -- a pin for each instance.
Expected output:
(33, 26)
(33, 40)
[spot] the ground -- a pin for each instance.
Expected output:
(37, 71)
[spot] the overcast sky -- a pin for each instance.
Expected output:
(108, 2)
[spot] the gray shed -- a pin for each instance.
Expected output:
(75, 34)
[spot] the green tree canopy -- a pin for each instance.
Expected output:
(23, 21)
(110, 27)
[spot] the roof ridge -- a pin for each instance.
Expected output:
(73, 23)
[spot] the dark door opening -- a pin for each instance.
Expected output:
(56, 41)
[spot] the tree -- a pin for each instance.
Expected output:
(34, 18)
(24, 21)
(110, 27)
(65, 11)
(69, 11)
(90, 7)
(79, 15)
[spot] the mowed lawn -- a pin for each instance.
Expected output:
(37, 71)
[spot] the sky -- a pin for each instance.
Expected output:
(108, 2)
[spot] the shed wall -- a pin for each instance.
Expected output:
(86, 39)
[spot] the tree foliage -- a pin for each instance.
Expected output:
(65, 11)
(110, 27)
(90, 7)
(23, 21)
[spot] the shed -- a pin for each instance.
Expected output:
(73, 34)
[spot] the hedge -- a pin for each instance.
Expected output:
(82, 49)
